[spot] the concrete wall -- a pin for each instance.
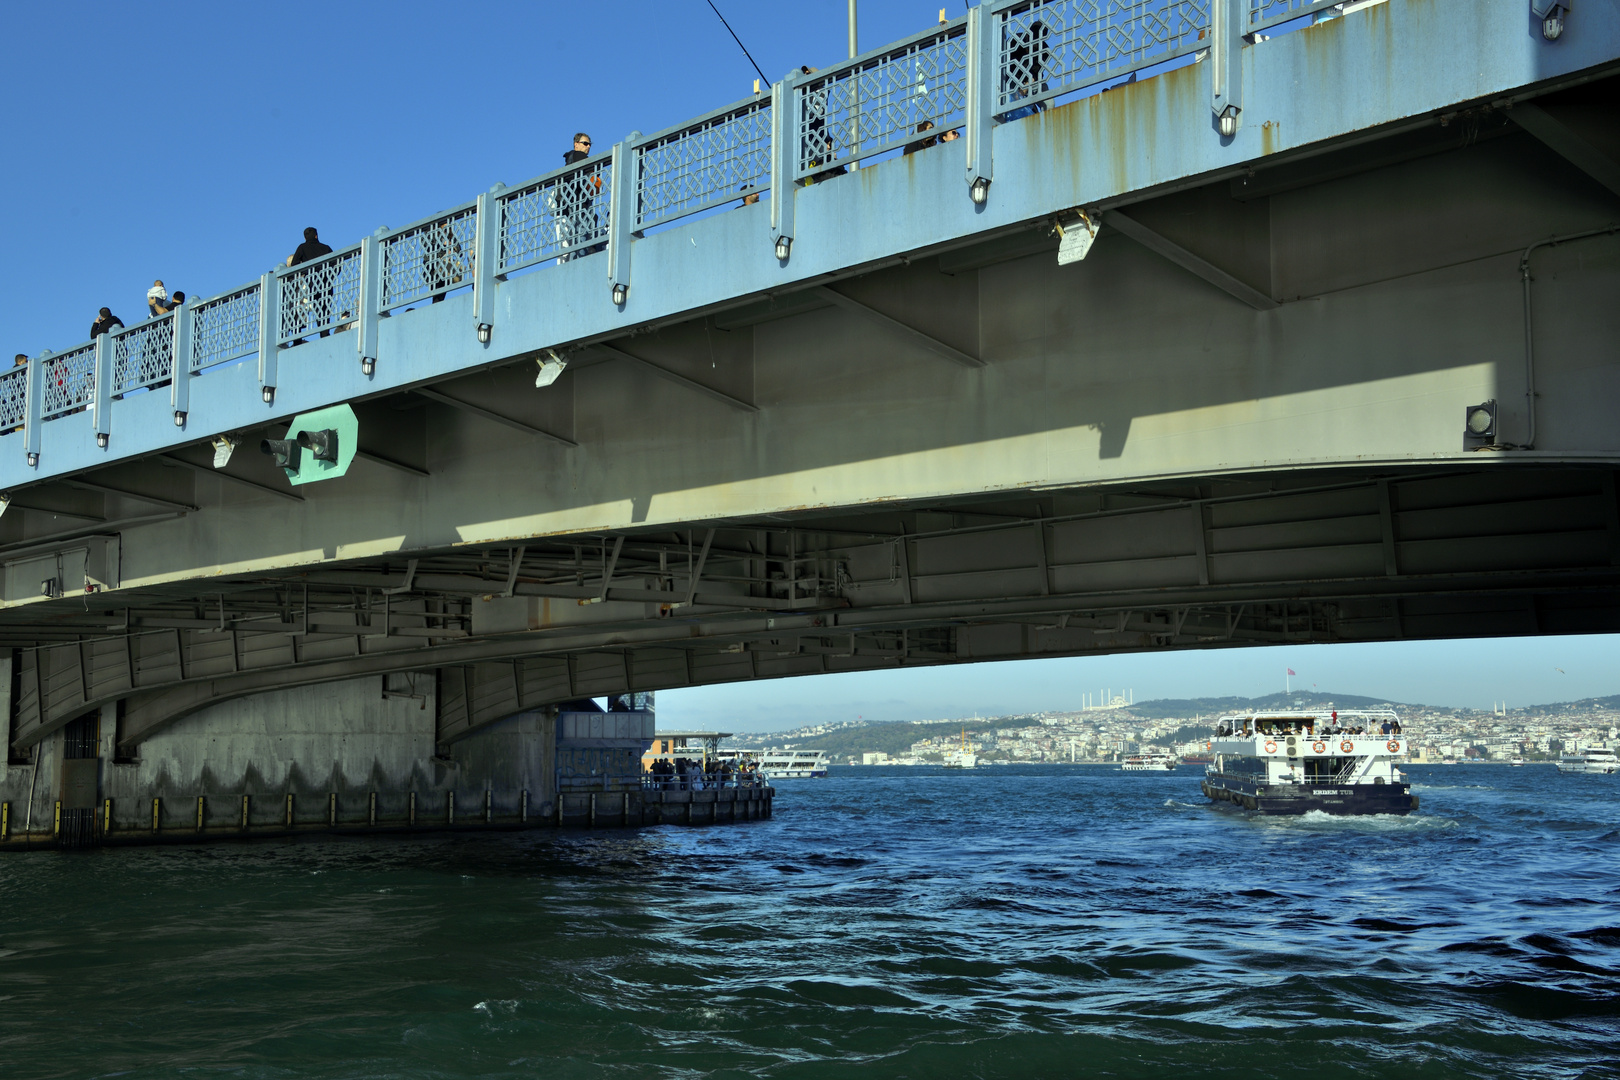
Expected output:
(346, 739)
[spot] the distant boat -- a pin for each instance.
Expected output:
(1594, 759)
(1517, 760)
(1149, 763)
(963, 758)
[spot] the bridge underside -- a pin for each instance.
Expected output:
(1239, 421)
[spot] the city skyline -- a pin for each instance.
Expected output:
(1457, 674)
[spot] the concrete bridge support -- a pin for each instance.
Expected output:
(352, 756)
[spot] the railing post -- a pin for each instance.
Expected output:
(101, 395)
(486, 262)
(983, 80)
(370, 313)
(33, 405)
(622, 214)
(269, 334)
(1226, 64)
(784, 164)
(180, 375)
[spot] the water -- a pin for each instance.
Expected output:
(1010, 922)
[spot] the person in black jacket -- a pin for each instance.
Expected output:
(105, 321)
(578, 222)
(316, 302)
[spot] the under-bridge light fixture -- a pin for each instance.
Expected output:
(179, 418)
(33, 461)
(223, 447)
(367, 366)
(1229, 121)
(102, 439)
(784, 247)
(5, 501)
(484, 331)
(269, 395)
(980, 191)
(284, 451)
(620, 294)
(322, 444)
(1479, 423)
(1552, 19)
(550, 368)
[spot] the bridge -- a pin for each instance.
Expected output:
(1055, 329)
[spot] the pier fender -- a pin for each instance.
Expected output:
(1250, 802)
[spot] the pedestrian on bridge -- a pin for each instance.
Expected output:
(577, 221)
(315, 303)
(104, 324)
(163, 307)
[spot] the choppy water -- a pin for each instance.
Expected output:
(898, 923)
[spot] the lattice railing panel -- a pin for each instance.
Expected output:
(1052, 47)
(69, 381)
(717, 160)
(429, 259)
(13, 398)
(880, 103)
(143, 355)
(562, 216)
(225, 328)
(1264, 13)
(320, 295)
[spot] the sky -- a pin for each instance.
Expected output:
(193, 142)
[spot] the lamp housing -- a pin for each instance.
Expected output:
(1479, 423)
(322, 444)
(980, 191)
(784, 247)
(285, 452)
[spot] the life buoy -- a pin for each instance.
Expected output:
(1271, 747)
(1318, 747)
(1394, 746)
(1347, 746)
(1209, 746)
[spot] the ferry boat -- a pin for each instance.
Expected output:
(1293, 763)
(963, 758)
(1149, 763)
(791, 764)
(1594, 759)
(1517, 760)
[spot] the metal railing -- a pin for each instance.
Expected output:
(722, 157)
(562, 215)
(1263, 14)
(225, 327)
(68, 381)
(1053, 47)
(320, 295)
(905, 95)
(13, 398)
(429, 259)
(876, 103)
(143, 355)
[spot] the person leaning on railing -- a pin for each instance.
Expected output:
(577, 219)
(104, 324)
(163, 307)
(316, 302)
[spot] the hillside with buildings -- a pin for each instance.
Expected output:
(1109, 732)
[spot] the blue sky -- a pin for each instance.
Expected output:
(193, 142)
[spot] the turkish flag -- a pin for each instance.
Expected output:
(1291, 671)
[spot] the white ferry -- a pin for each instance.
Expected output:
(1292, 763)
(963, 758)
(1594, 759)
(790, 764)
(1149, 763)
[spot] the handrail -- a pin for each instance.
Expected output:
(1009, 56)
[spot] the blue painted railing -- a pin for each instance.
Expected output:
(969, 73)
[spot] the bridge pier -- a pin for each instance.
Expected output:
(357, 756)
